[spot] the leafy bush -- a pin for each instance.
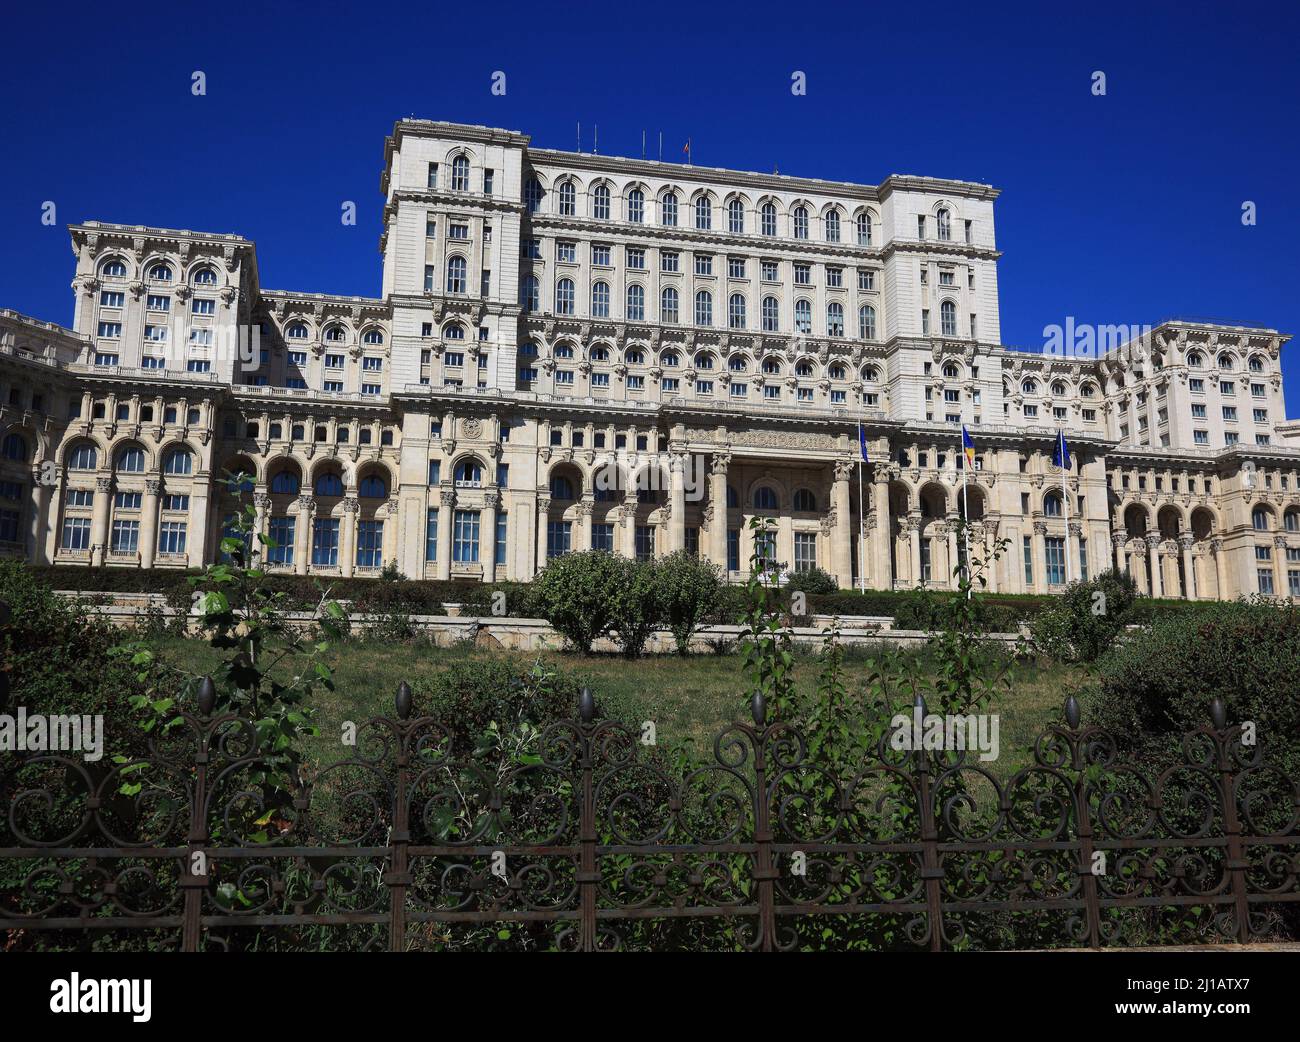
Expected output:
(636, 605)
(690, 588)
(1086, 619)
(1158, 684)
(575, 595)
(813, 581)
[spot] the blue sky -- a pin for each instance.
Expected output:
(1117, 209)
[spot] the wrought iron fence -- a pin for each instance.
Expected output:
(588, 840)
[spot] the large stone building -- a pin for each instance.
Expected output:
(548, 319)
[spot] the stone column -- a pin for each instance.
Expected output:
(302, 534)
(953, 552)
(99, 520)
(446, 518)
(42, 519)
(987, 535)
(200, 515)
(914, 541)
(586, 508)
(1039, 550)
(261, 507)
(1189, 566)
(842, 530)
(1073, 536)
(718, 508)
(543, 515)
(348, 537)
(676, 502)
(1153, 556)
(883, 572)
(1220, 568)
(487, 527)
(1279, 566)
(149, 522)
(627, 541)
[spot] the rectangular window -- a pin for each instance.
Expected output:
(645, 542)
(10, 524)
(805, 551)
(636, 258)
(281, 532)
(76, 533)
(1029, 560)
(733, 549)
(693, 541)
(926, 569)
(1083, 559)
(370, 544)
(325, 542)
(203, 306)
(1055, 551)
(600, 256)
(503, 530)
(111, 299)
(1293, 582)
(559, 538)
(1265, 577)
(464, 547)
(602, 537)
(431, 535)
(171, 537)
(125, 537)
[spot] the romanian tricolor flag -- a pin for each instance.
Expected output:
(967, 448)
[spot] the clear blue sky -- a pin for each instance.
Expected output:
(1117, 209)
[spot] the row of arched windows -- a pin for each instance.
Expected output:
(333, 334)
(130, 459)
(734, 216)
(160, 271)
(1226, 362)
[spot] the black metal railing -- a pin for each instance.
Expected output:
(586, 839)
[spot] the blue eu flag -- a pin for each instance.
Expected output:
(1061, 454)
(862, 443)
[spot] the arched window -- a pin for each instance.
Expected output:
(800, 222)
(600, 299)
(802, 316)
(297, 331)
(130, 460)
(456, 277)
(703, 214)
(864, 229)
(533, 194)
(600, 203)
(737, 363)
(373, 336)
(704, 361)
(834, 319)
(768, 218)
(764, 498)
(804, 369)
(84, 457)
(669, 360)
(561, 487)
(636, 206)
(285, 483)
(161, 273)
(373, 486)
(113, 269)
(1058, 389)
(460, 174)
(736, 216)
(668, 306)
(469, 473)
(832, 226)
(204, 277)
(530, 294)
(772, 366)
(837, 372)
(866, 322)
(599, 354)
(668, 210)
(736, 311)
(1225, 362)
(804, 500)
(1256, 364)
(1028, 387)
(634, 357)
(944, 220)
(15, 447)
(948, 318)
(870, 374)
(453, 331)
(1052, 504)
(564, 297)
(1259, 519)
(635, 303)
(1291, 521)
(771, 314)
(329, 484)
(950, 371)
(568, 199)
(1194, 359)
(704, 308)
(178, 461)
(733, 500)
(335, 335)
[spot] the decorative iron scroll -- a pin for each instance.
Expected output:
(593, 842)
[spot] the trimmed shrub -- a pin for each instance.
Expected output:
(1085, 621)
(574, 594)
(690, 588)
(636, 605)
(813, 581)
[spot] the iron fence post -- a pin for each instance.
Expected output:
(1235, 862)
(399, 873)
(931, 873)
(588, 876)
(765, 872)
(1083, 821)
(196, 885)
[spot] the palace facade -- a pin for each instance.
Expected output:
(715, 338)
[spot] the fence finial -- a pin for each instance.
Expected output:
(403, 700)
(207, 696)
(919, 703)
(1218, 713)
(1072, 712)
(758, 709)
(586, 706)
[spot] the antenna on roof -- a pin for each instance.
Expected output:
(643, 144)
(661, 146)
(595, 142)
(579, 135)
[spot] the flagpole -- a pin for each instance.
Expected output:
(965, 505)
(862, 520)
(1065, 501)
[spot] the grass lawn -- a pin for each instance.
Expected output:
(687, 699)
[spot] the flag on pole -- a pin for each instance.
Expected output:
(862, 444)
(1061, 454)
(967, 448)
(687, 149)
